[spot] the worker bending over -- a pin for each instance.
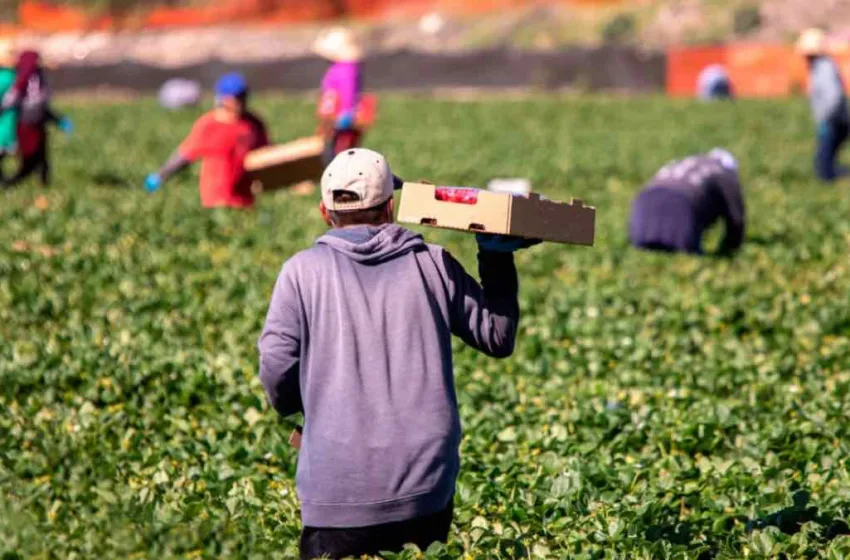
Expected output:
(684, 199)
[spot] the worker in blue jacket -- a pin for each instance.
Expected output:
(828, 100)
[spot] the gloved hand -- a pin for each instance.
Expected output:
(503, 243)
(345, 121)
(153, 182)
(65, 125)
(823, 130)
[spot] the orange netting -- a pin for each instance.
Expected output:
(756, 70)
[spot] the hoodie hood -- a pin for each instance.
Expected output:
(372, 244)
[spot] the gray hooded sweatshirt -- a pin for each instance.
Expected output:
(358, 338)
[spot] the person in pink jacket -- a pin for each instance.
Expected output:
(341, 91)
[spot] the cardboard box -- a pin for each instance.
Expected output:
(502, 213)
(284, 165)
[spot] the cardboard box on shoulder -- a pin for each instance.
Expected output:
(483, 211)
(284, 165)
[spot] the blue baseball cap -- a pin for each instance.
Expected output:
(231, 85)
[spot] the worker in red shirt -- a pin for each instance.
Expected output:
(220, 139)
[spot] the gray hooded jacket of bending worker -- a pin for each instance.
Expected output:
(826, 92)
(684, 199)
(358, 338)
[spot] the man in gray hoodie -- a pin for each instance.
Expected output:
(358, 339)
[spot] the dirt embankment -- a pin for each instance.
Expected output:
(649, 24)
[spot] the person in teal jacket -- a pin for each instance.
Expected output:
(8, 119)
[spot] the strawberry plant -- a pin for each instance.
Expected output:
(656, 406)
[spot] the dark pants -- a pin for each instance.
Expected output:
(32, 153)
(390, 537)
(340, 141)
(33, 163)
(830, 138)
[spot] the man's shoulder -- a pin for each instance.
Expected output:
(443, 258)
(435, 251)
(306, 258)
(825, 67)
(205, 122)
(207, 118)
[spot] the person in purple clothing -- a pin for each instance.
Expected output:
(342, 86)
(684, 199)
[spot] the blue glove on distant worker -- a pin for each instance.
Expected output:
(503, 243)
(345, 121)
(823, 130)
(153, 182)
(65, 125)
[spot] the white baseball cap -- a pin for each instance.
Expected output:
(362, 172)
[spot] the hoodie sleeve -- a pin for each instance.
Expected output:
(280, 347)
(485, 316)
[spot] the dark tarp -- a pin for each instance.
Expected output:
(609, 67)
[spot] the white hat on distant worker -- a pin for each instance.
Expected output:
(812, 42)
(338, 44)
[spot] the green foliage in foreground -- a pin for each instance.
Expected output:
(656, 407)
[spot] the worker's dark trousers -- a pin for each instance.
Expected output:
(391, 537)
(33, 163)
(830, 138)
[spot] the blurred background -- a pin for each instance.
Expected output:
(625, 45)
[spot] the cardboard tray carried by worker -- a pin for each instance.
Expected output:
(284, 165)
(528, 216)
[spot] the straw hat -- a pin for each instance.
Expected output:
(8, 56)
(338, 45)
(812, 42)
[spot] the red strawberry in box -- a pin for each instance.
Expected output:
(459, 195)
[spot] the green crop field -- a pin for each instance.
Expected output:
(656, 406)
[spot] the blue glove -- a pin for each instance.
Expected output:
(65, 125)
(345, 121)
(503, 243)
(153, 182)
(823, 130)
